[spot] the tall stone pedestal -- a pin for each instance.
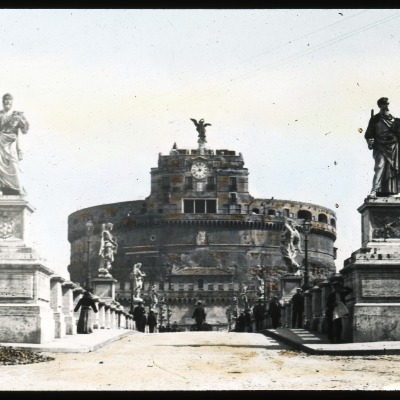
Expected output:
(373, 272)
(104, 288)
(25, 313)
(289, 284)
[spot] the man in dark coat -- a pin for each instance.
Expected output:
(151, 321)
(199, 315)
(84, 322)
(297, 309)
(139, 316)
(248, 320)
(259, 314)
(240, 322)
(275, 312)
(335, 326)
(382, 136)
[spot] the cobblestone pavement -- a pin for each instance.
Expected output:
(201, 361)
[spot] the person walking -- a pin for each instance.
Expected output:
(175, 327)
(248, 320)
(335, 310)
(85, 303)
(259, 314)
(139, 316)
(151, 321)
(275, 312)
(297, 309)
(199, 315)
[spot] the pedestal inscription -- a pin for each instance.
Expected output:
(103, 290)
(380, 287)
(16, 286)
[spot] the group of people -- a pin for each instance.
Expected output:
(335, 310)
(141, 320)
(259, 313)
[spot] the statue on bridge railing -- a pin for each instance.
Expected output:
(383, 136)
(153, 298)
(137, 275)
(11, 122)
(108, 247)
(291, 246)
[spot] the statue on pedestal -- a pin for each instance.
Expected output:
(382, 136)
(201, 129)
(11, 122)
(153, 298)
(108, 247)
(137, 275)
(291, 246)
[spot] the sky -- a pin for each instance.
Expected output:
(106, 91)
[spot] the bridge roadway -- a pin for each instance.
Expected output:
(193, 361)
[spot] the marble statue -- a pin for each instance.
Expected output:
(382, 136)
(153, 298)
(137, 280)
(290, 246)
(11, 123)
(108, 247)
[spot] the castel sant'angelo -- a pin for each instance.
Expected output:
(200, 235)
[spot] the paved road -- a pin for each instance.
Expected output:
(202, 361)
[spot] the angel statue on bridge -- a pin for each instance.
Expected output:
(108, 247)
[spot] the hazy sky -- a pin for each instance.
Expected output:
(106, 90)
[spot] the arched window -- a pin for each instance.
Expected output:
(333, 222)
(304, 214)
(271, 212)
(323, 218)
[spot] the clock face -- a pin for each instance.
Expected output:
(199, 170)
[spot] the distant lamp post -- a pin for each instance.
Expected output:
(306, 231)
(162, 306)
(169, 315)
(89, 232)
(132, 284)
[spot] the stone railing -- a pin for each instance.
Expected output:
(315, 299)
(64, 296)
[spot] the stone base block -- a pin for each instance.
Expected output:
(104, 288)
(323, 325)
(289, 284)
(26, 323)
(70, 325)
(376, 322)
(59, 325)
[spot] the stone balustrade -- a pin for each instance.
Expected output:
(64, 296)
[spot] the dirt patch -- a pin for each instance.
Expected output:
(11, 356)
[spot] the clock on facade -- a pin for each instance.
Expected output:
(199, 170)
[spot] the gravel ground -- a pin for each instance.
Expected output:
(202, 361)
(11, 356)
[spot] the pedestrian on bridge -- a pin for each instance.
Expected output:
(151, 321)
(275, 312)
(297, 309)
(139, 316)
(87, 303)
(259, 314)
(199, 315)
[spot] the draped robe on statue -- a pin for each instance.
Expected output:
(385, 130)
(9, 168)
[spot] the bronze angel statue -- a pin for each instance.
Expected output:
(200, 127)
